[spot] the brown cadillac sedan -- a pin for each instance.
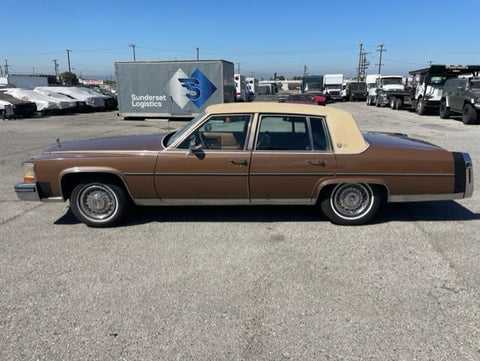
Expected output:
(248, 153)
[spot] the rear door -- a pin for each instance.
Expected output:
(291, 155)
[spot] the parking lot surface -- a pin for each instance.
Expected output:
(237, 283)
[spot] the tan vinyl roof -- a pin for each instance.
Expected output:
(344, 132)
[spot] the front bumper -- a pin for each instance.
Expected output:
(27, 191)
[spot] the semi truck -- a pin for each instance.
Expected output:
(311, 83)
(332, 86)
(386, 87)
(172, 89)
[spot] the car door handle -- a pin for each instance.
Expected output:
(238, 161)
(317, 162)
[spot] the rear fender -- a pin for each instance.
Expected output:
(324, 185)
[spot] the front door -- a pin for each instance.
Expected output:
(209, 167)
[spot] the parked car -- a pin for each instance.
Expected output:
(248, 153)
(320, 96)
(94, 101)
(306, 98)
(43, 102)
(21, 108)
(461, 95)
(73, 104)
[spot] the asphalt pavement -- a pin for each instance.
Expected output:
(237, 283)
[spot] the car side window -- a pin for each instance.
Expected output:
(281, 132)
(319, 135)
(221, 132)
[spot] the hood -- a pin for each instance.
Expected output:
(122, 143)
(397, 140)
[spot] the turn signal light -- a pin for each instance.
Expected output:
(28, 170)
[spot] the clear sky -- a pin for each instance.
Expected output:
(262, 37)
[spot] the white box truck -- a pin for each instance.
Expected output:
(332, 86)
(172, 89)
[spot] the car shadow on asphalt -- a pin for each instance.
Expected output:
(440, 211)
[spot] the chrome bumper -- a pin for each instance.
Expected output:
(27, 191)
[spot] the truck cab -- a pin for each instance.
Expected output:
(429, 84)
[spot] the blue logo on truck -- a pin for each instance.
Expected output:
(196, 88)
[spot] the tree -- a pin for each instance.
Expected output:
(68, 78)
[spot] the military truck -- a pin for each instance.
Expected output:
(461, 95)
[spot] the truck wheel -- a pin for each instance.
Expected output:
(469, 115)
(351, 204)
(399, 104)
(420, 108)
(393, 101)
(99, 204)
(444, 111)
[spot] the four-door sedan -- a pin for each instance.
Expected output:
(248, 153)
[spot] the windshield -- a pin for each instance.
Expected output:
(437, 80)
(392, 81)
(184, 129)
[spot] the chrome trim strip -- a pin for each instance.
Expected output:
(424, 197)
(223, 202)
(100, 151)
(283, 201)
(191, 202)
(399, 174)
(139, 174)
(244, 174)
(292, 174)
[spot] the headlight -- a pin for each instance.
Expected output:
(28, 170)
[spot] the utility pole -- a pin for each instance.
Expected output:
(380, 49)
(198, 53)
(238, 68)
(68, 59)
(305, 70)
(55, 64)
(133, 46)
(360, 57)
(6, 67)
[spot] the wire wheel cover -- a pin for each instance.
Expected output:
(352, 200)
(97, 202)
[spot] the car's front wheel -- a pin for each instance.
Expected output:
(351, 203)
(99, 204)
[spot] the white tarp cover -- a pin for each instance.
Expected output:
(42, 101)
(64, 101)
(96, 101)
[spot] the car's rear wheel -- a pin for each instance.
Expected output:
(99, 204)
(469, 114)
(444, 111)
(351, 203)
